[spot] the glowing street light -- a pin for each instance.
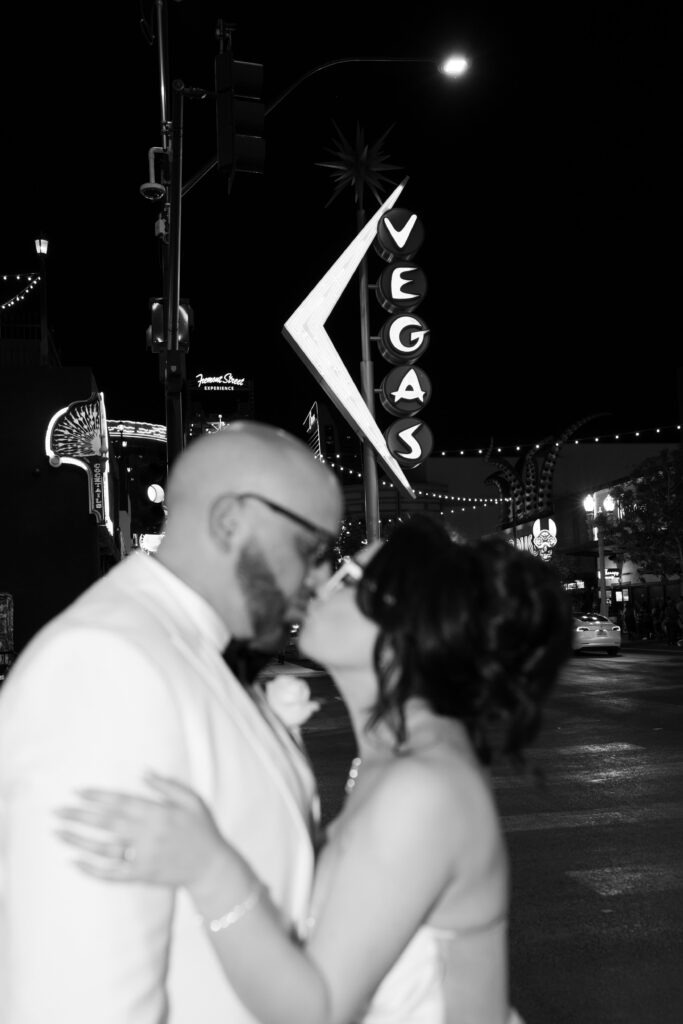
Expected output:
(41, 245)
(454, 66)
(608, 506)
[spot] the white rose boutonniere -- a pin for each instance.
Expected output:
(290, 698)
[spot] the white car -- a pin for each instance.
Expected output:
(596, 632)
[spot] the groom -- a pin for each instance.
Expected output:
(131, 677)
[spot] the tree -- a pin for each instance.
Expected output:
(649, 526)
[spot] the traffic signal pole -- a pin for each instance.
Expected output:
(175, 378)
(240, 147)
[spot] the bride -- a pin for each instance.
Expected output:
(443, 653)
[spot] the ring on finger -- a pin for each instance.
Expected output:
(127, 853)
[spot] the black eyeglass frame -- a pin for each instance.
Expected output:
(327, 540)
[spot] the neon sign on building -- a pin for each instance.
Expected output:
(77, 436)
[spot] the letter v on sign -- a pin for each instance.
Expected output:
(305, 331)
(401, 236)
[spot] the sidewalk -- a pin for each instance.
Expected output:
(639, 644)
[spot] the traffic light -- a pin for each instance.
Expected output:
(156, 335)
(240, 145)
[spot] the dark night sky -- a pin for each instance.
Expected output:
(547, 182)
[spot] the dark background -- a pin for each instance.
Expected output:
(547, 181)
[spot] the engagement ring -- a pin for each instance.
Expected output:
(127, 853)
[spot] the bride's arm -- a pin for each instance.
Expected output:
(396, 860)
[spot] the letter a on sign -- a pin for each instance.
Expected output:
(409, 388)
(405, 391)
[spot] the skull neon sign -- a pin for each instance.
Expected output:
(544, 539)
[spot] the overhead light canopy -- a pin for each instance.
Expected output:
(589, 503)
(41, 246)
(454, 66)
(608, 503)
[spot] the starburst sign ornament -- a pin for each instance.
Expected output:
(358, 166)
(305, 331)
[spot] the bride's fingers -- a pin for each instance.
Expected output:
(174, 790)
(96, 816)
(108, 873)
(111, 849)
(130, 802)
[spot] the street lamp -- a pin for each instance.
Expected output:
(592, 513)
(41, 249)
(453, 66)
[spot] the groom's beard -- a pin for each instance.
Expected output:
(266, 604)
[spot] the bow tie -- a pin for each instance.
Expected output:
(245, 662)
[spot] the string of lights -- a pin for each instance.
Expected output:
(471, 503)
(468, 503)
(33, 280)
(644, 435)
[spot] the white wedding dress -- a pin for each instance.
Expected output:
(419, 988)
(434, 981)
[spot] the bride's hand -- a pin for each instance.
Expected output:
(128, 838)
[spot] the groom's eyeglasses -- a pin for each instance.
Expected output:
(325, 548)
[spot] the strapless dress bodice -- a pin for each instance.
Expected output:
(416, 990)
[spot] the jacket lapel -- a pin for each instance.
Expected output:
(279, 754)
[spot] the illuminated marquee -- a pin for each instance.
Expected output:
(134, 430)
(77, 436)
(403, 338)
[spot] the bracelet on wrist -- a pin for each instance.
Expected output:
(236, 913)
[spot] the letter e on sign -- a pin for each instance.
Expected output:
(401, 287)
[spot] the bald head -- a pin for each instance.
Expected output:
(254, 458)
(249, 494)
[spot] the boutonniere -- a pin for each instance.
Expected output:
(290, 698)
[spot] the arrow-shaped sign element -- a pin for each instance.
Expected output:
(305, 331)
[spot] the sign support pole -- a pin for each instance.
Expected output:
(367, 388)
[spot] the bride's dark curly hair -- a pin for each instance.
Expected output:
(480, 630)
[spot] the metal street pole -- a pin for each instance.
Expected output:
(367, 381)
(601, 570)
(44, 344)
(174, 359)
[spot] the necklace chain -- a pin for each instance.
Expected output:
(353, 774)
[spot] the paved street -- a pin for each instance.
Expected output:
(596, 843)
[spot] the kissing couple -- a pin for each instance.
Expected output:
(160, 862)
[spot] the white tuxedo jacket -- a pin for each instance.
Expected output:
(123, 681)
